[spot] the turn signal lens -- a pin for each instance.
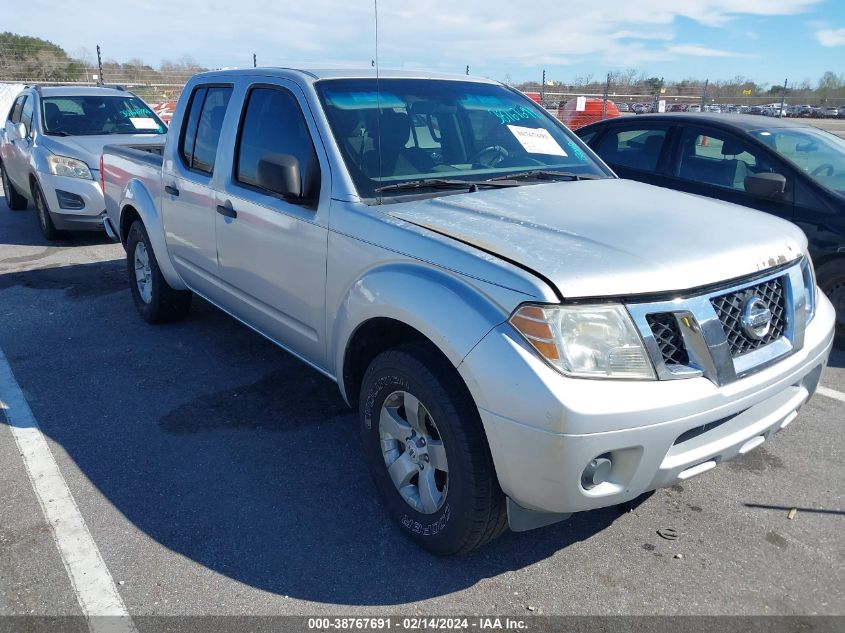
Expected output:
(590, 341)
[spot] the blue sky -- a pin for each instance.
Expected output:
(765, 40)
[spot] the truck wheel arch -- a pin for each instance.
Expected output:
(137, 204)
(401, 303)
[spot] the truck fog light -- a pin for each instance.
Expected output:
(596, 472)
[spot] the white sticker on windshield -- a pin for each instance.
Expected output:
(144, 123)
(536, 140)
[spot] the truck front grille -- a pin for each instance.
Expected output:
(701, 333)
(729, 308)
(666, 332)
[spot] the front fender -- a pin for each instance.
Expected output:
(452, 313)
(136, 196)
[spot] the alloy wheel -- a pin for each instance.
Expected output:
(413, 452)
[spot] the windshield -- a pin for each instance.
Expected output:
(446, 130)
(819, 153)
(95, 115)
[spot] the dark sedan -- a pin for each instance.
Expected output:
(780, 166)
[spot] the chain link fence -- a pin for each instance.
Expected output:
(579, 105)
(582, 102)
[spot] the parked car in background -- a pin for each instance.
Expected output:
(50, 150)
(831, 113)
(623, 107)
(524, 335)
(594, 110)
(784, 167)
(693, 107)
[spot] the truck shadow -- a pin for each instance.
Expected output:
(226, 450)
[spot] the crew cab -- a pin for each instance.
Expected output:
(50, 148)
(523, 334)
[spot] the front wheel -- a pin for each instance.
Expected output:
(42, 211)
(427, 452)
(156, 300)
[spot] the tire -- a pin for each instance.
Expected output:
(155, 300)
(831, 280)
(14, 200)
(465, 507)
(42, 213)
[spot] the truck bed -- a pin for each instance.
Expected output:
(124, 163)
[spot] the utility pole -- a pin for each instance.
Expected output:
(467, 69)
(704, 94)
(543, 88)
(783, 96)
(604, 99)
(254, 61)
(99, 67)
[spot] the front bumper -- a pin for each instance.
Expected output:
(89, 216)
(544, 428)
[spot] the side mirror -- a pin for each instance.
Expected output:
(280, 173)
(765, 185)
(21, 130)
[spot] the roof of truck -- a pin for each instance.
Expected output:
(315, 74)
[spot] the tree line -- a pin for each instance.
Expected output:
(26, 58)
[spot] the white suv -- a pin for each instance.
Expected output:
(50, 150)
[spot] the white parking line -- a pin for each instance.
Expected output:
(831, 393)
(93, 584)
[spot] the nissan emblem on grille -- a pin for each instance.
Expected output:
(756, 318)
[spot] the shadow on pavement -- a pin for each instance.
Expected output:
(20, 228)
(226, 450)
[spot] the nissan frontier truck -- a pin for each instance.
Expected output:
(523, 334)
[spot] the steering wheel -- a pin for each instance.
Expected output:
(493, 155)
(823, 167)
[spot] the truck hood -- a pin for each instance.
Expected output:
(89, 148)
(612, 237)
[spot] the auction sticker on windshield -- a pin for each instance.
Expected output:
(536, 140)
(144, 123)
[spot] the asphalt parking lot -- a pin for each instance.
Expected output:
(218, 475)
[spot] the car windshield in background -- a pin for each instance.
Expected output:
(91, 115)
(455, 131)
(819, 153)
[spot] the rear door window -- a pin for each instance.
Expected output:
(201, 134)
(637, 148)
(714, 157)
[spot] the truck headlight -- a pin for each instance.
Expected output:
(66, 166)
(585, 341)
(810, 288)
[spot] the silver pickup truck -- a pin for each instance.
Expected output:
(523, 334)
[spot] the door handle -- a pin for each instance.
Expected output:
(227, 211)
(173, 191)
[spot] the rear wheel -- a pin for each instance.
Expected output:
(42, 211)
(14, 200)
(831, 279)
(155, 299)
(427, 451)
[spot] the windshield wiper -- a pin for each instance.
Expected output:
(545, 174)
(59, 133)
(442, 183)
